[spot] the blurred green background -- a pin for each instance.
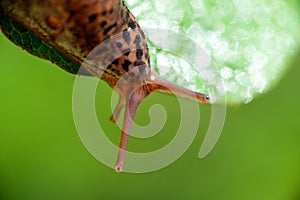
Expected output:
(42, 157)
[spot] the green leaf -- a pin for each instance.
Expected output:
(27, 40)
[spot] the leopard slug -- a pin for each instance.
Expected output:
(66, 31)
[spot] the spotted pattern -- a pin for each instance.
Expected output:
(100, 25)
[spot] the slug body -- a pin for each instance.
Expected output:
(69, 31)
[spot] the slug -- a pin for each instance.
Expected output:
(66, 31)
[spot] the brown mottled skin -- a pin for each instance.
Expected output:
(76, 27)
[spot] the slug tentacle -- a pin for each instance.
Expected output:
(117, 111)
(162, 84)
(134, 99)
(134, 94)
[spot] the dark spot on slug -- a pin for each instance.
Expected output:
(125, 52)
(103, 24)
(137, 42)
(131, 24)
(106, 41)
(111, 11)
(126, 36)
(137, 63)
(119, 45)
(132, 74)
(142, 33)
(126, 64)
(141, 65)
(109, 28)
(139, 54)
(101, 50)
(104, 12)
(92, 18)
(125, 77)
(116, 62)
(142, 68)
